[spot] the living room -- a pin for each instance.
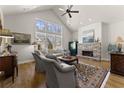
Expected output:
(87, 41)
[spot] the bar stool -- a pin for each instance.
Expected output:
(1, 78)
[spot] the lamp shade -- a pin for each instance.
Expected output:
(119, 40)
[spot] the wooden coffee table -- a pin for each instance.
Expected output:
(68, 59)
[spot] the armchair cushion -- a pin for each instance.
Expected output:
(66, 68)
(51, 56)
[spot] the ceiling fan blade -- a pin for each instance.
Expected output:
(69, 15)
(74, 11)
(70, 7)
(61, 9)
(63, 14)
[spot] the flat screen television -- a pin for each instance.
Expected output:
(73, 48)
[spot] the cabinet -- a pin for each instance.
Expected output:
(8, 65)
(117, 63)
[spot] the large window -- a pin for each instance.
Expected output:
(48, 31)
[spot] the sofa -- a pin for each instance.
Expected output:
(39, 65)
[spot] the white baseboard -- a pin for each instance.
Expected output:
(105, 80)
(105, 59)
(26, 61)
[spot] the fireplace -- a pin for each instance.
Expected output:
(87, 53)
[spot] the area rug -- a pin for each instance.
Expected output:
(89, 76)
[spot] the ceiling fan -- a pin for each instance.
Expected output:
(68, 11)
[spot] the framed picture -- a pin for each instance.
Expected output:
(88, 36)
(21, 38)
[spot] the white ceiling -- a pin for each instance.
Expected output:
(87, 13)
(17, 9)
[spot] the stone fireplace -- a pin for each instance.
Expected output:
(90, 50)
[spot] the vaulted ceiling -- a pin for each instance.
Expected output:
(18, 9)
(88, 14)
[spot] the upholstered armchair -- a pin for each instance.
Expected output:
(59, 75)
(39, 66)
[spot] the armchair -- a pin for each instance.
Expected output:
(59, 75)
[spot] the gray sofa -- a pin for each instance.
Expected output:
(58, 74)
(39, 65)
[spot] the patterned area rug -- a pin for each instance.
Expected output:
(89, 76)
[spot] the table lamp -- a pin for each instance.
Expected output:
(119, 43)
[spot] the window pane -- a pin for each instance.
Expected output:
(40, 25)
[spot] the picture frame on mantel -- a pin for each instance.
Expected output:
(21, 39)
(88, 36)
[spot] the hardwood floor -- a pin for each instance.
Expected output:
(104, 64)
(114, 81)
(28, 78)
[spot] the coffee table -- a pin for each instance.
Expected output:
(68, 59)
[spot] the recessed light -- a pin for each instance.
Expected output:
(68, 21)
(69, 24)
(81, 23)
(61, 9)
(89, 19)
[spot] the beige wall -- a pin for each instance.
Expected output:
(97, 27)
(101, 32)
(25, 23)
